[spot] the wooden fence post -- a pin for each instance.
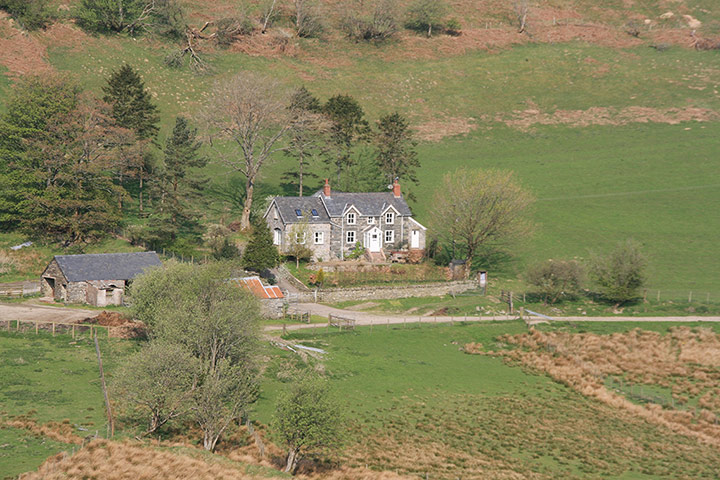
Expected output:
(73, 331)
(108, 408)
(36, 327)
(53, 328)
(690, 297)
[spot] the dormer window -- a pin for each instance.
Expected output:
(315, 213)
(351, 218)
(298, 212)
(389, 218)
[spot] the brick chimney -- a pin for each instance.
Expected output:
(326, 188)
(396, 188)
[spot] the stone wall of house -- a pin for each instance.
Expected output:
(53, 271)
(76, 292)
(273, 307)
(388, 291)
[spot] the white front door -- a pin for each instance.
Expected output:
(415, 239)
(374, 241)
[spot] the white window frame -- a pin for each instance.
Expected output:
(351, 218)
(389, 218)
(371, 220)
(319, 238)
(391, 238)
(277, 236)
(298, 240)
(348, 234)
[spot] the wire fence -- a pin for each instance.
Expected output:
(54, 328)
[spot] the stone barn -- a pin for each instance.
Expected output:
(272, 300)
(96, 279)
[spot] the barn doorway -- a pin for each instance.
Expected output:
(49, 284)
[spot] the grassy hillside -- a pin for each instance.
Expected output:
(614, 138)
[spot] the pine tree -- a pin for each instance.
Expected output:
(260, 253)
(132, 107)
(348, 128)
(396, 155)
(181, 153)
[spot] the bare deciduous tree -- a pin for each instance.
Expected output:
(248, 115)
(522, 8)
(308, 20)
(480, 208)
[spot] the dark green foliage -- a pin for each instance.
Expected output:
(56, 152)
(307, 140)
(348, 127)
(30, 14)
(426, 15)
(260, 253)
(109, 15)
(132, 107)
(303, 100)
(621, 274)
(395, 146)
(164, 17)
(308, 419)
(556, 279)
(379, 25)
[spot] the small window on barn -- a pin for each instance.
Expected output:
(315, 213)
(298, 212)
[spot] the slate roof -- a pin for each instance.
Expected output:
(288, 205)
(106, 266)
(370, 204)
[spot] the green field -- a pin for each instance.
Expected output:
(595, 185)
(414, 402)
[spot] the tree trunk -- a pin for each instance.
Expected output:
(247, 205)
(142, 177)
(292, 459)
(300, 173)
(429, 29)
(209, 441)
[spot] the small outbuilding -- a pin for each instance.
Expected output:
(96, 279)
(272, 300)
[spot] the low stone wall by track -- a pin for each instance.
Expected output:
(386, 292)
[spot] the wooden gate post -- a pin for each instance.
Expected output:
(53, 329)
(36, 327)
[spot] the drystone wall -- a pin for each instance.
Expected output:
(386, 292)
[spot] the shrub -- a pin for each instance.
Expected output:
(380, 26)
(621, 274)
(308, 19)
(165, 17)
(356, 252)
(555, 279)
(30, 14)
(426, 15)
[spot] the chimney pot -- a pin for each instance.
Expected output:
(396, 188)
(326, 188)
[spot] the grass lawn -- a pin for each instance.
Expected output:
(595, 185)
(50, 379)
(415, 403)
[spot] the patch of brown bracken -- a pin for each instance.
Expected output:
(525, 119)
(20, 52)
(436, 130)
(686, 361)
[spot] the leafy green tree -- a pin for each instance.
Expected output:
(395, 147)
(216, 321)
(132, 108)
(177, 182)
(32, 103)
(131, 103)
(620, 274)
(260, 253)
(348, 127)
(299, 241)
(157, 16)
(158, 382)
(426, 15)
(480, 209)
(307, 137)
(308, 420)
(30, 14)
(555, 279)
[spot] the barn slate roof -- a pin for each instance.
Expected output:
(106, 266)
(370, 204)
(288, 205)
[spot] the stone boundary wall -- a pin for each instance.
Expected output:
(370, 292)
(285, 274)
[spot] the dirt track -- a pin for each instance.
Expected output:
(43, 313)
(367, 318)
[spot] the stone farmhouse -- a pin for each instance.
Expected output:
(96, 279)
(380, 222)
